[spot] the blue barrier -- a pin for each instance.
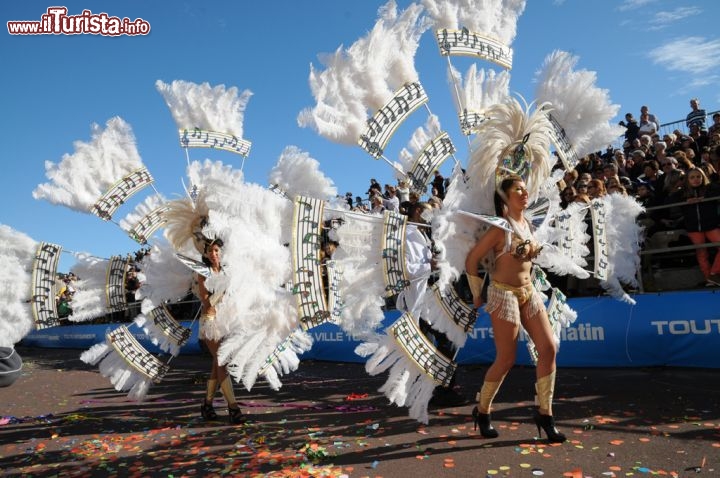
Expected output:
(667, 329)
(85, 336)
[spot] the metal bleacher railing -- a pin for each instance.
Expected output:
(680, 125)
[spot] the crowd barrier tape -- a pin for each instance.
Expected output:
(679, 329)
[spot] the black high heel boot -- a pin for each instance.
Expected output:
(482, 420)
(207, 410)
(547, 423)
(236, 416)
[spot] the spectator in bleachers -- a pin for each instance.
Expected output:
(715, 126)
(715, 157)
(692, 156)
(567, 196)
(701, 220)
(374, 188)
(628, 185)
(610, 170)
(439, 183)
(644, 109)
(647, 127)
(696, 115)
(570, 177)
(596, 189)
(414, 197)
(668, 165)
(583, 166)
(359, 205)
(645, 194)
(631, 128)
(714, 139)
(376, 204)
(619, 159)
(402, 191)
(673, 182)
(699, 137)
(646, 145)
(671, 141)
(710, 172)
(682, 161)
(652, 174)
(584, 178)
(581, 188)
(614, 187)
(661, 154)
(633, 165)
(391, 201)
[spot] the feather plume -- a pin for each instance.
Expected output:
(288, 360)
(298, 174)
(494, 18)
(582, 109)
(116, 368)
(480, 89)
(624, 238)
(80, 179)
(364, 77)
(148, 205)
(166, 278)
(90, 299)
(419, 139)
(210, 108)
(359, 256)
(407, 385)
(17, 254)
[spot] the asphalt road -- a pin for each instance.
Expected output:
(62, 418)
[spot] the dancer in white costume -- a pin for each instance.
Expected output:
(211, 333)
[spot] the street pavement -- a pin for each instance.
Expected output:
(62, 418)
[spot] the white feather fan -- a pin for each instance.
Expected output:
(17, 253)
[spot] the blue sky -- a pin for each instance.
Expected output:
(53, 87)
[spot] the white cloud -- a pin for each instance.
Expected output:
(704, 81)
(634, 4)
(692, 55)
(666, 19)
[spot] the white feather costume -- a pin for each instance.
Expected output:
(17, 253)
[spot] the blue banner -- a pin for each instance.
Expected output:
(85, 336)
(667, 329)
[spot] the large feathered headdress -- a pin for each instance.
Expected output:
(186, 219)
(513, 140)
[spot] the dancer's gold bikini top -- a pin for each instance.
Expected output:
(521, 244)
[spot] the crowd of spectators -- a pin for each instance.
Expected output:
(674, 175)
(397, 197)
(659, 169)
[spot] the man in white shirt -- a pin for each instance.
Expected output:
(391, 203)
(420, 263)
